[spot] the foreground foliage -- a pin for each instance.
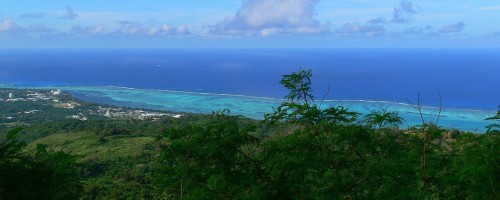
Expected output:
(41, 175)
(326, 154)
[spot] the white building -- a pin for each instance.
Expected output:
(56, 92)
(11, 95)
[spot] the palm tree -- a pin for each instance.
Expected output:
(383, 119)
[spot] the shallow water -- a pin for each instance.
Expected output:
(256, 107)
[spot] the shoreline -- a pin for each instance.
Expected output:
(255, 107)
(2, 85)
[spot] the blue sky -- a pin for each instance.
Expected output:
(249, 23)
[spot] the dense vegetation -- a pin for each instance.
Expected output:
(299, 152)
(326, 154)
(44, 174)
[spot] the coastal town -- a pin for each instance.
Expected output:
(26, 105)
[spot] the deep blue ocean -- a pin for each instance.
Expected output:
(466, 78)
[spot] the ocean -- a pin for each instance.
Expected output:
(247, 80)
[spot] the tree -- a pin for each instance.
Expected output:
(495, 127)
(383, 119)
(300, 107)
(210, 161)
(320, 159)
(497, 116)
(476, 166)
(43, 175)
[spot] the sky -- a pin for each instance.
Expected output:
(249, 23)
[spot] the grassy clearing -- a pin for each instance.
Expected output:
(89, 145)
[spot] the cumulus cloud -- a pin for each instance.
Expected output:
(32, 15)
(403, 13)
(9, 27)
(87, 30)
(453, 28)
(168, 30)
(356, 29)
(70, 14)
(271, 17)
(130, 27)
(137, 28)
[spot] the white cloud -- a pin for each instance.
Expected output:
(10, 28)
(356, 29)
(166, 30)
(70, 14)
(126, 28)
(7, 25)
(137, 28)
(271, 17)
(453, 28)
(87, 30)
(130, 27)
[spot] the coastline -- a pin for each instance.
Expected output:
(73, 87)
(256, 107)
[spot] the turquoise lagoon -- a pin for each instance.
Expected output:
(256, 107)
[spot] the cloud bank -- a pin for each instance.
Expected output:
(271, 17)
(87, 30)
(356, 29)
(137, 28)
(9, 27)
(126, 28)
